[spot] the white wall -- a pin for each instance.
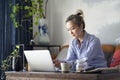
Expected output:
(101, 16)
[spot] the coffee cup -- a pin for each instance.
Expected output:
(65, 67)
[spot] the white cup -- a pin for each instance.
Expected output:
(65, 67)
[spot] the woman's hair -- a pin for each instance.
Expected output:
(77, 18)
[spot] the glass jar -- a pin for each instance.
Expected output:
(81, 64)
(78, 66)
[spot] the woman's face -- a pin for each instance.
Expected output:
(74, 29)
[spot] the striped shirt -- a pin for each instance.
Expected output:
(90, 50)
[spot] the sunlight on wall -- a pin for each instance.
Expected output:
(102, 19)
(101, 16)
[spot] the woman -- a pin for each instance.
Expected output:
(85, 48)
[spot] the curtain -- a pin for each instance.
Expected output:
(7, 31)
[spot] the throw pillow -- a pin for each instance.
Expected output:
(116, 59)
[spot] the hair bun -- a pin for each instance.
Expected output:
(79, 12)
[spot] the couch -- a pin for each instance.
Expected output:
(108, 50)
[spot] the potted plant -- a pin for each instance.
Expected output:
(9, 62)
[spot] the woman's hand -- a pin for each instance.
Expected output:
(57, 63)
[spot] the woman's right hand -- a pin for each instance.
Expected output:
(57, 63)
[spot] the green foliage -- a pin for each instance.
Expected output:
(35, 9)
(15, 10)
(6, 63)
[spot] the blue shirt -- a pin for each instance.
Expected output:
(90, 50)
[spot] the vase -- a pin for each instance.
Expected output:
(43, 32)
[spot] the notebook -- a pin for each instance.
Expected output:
(39, 60)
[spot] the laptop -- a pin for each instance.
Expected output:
(39, 60)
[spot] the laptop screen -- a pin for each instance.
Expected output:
(39, 60)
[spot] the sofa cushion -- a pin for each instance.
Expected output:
(116, 57)
(108, 52)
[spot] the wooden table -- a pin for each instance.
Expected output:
(60, 76)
